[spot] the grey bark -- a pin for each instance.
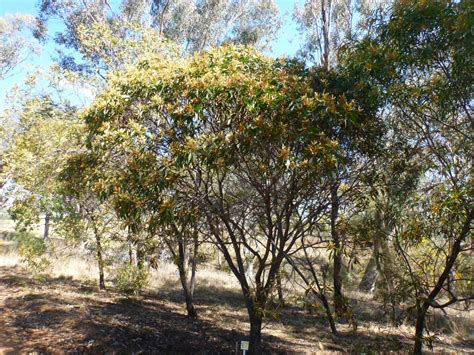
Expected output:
(367, 284)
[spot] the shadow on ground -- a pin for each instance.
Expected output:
(60, 314)
(208, 295)
(50, 315)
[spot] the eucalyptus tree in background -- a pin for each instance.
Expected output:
(206, 23)
(395, 176)
(194, 25)
(16, 44)
(325, 25)
(45, 132)
(19, 37)
(34, 148)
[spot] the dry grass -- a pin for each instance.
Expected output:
(8, 257)
(73, 267)
(6, 225)
(462, 327)
(85, 269)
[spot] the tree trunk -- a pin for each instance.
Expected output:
(219, 262)
(188, 289)
(329, 316)
(281, 299)
(193, 262)
(140, 256)
(46, 227)
(367, 284)
(326, 28)
(385, 264)
(187, 292)
(130, 253)
(255, 318)
(100, 261)
(338, 297)
(451, 281)
(189, 299)
(130, 246)
(352, 261)
(419, 328)
(450, 261)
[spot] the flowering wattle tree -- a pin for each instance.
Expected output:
(240, 139)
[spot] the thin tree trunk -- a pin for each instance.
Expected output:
(193, 262)
(419, 328)
(281, 299)
(130, 246)
(219, 262)
(451, 259)
(352, 261)
(140, 256)
(100, 260)
(451, 281)
(338, 297)
(329, 316)
(325, 19)
(188, 290)
(189, 299)
(46, 227)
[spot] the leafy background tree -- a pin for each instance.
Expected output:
(423, 73)
(16, 45)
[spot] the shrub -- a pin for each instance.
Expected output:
(131, 280)
(32, 250)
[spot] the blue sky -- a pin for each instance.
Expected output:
(286, 43)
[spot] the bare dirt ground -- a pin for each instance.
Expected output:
(57, 314)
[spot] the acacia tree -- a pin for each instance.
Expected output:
(182, 237)
(83, 213)
(31, 147)
(421, 59)
(248, 138)
(45, 132)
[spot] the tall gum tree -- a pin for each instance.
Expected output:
(325, 26)
(45, 132)
(359, 146)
